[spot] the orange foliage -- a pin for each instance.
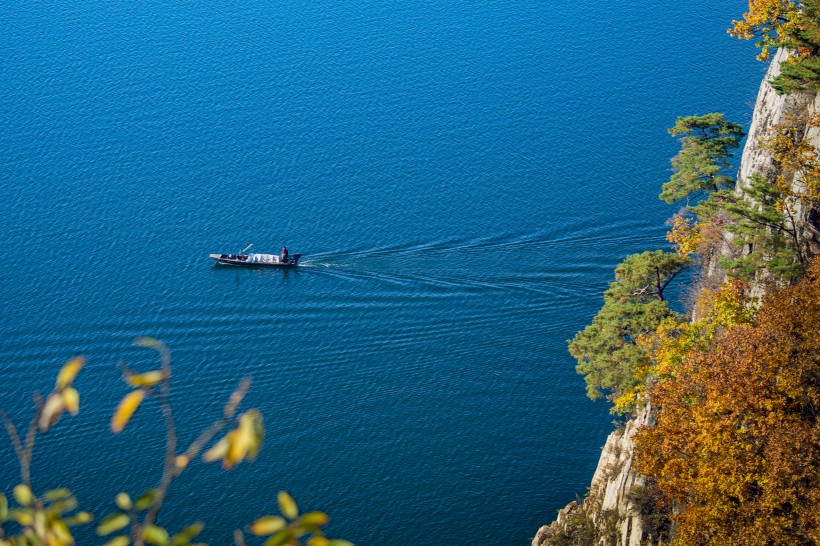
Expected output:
(737, 442)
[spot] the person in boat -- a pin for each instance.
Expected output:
(283, 256)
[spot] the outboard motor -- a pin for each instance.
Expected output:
(296, 258)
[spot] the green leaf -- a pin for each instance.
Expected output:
(146, 499)
(66, 505)
(112, 523)
(185, 536)
(280, 538)
(287, 505)
(4, 508)
(339, 542)
(121, 540)
(57, 494)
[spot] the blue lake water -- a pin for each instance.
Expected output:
(461, 178)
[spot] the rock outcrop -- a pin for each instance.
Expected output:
(611, 512)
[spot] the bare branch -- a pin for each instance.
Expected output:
(230, 409)
(15, 441)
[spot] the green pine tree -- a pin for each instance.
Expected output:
(700, 166)
(607, 352)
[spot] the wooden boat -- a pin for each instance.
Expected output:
(257, 260)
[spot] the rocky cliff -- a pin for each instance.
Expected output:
(615, 512)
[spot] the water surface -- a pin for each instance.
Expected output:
(461, 177)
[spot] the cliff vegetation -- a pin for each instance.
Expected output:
(722, 442)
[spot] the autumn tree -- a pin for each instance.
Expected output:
(790, 24)
(768, 21)
(764, 228)
(736, 447)
(796, 158)
(700, 166)
(607, 350)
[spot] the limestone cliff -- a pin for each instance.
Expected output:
(616, 511)
(611, 513)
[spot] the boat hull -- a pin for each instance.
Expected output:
(243, 260)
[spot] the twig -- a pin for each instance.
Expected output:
(169, 464)
(229, 411)
(15, 441)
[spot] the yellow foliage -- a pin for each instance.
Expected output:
(768, 19)
(71, 400)
(23, 495)
(128, 405)
(267, 525)
(69, 371)
(685, 235)
(796, 158)
(287, 505)
(240, 443)
(147, 379)
(737, 445)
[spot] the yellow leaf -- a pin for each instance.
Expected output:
(24, 518)
(155, 535)
(69, 371)
(315, 519)
(80, 518)
(123, 501)
(217, 451)
(239, 441)
(318, 541)
(181, 462)
(147, 499)
(52, 410)
(147, 379)
(71, 400)
(121, 540)
(23, 495)
(126, 409)
(59, 530)
(112, 523)
(257, 432)
(185, 536)
(267, 525)
(287, 505)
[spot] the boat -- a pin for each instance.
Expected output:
(257, 259)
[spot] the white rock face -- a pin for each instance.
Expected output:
(609, 492)
(615, 477)
(770, 110)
